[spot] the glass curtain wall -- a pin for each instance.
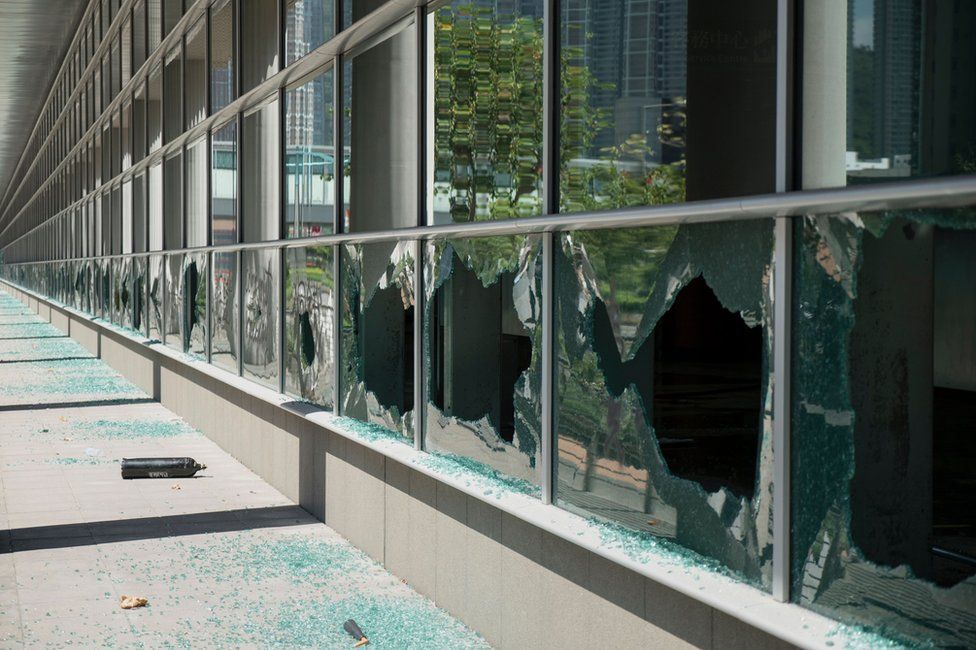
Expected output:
(663, 357)
(195, 73)
(222, 43)
(310, 166)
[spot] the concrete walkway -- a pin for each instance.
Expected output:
(224, 559)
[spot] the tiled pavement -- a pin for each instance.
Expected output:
(224, 559)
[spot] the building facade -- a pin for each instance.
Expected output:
(690, 283)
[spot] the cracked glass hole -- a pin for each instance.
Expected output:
(307, 338)
(480, 350)
(707, 391)
(387, 358)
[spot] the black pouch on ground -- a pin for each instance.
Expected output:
(160, 467)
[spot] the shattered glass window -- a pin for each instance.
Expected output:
(104, 289)
(483, 352)
(260, 314)
(376, 347)
(486, 111)
(122, 292)
(884, 410)
(663, 390)
(139, 293)
(223, 312)
(193, 324)
(174, 302)
(309, 320)
(155, 303)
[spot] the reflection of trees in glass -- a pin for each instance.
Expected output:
(623, 174)
(488, 125)
(487, 112)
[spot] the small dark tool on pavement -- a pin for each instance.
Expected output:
(160, 467)
(356, 633)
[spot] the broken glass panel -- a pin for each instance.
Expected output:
(483, 351)
(309, 320)
(122, 292)
(193, 325)
(224, 313)
(174, 301)
(260, 350)
(663, 389)
(884, 406)
(139, 294)
(155, 304)
(376, 347)
(81, 285)
(104, 289)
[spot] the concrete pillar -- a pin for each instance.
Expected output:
(824, 79)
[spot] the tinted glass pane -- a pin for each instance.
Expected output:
(223, 187)
(127, 217)
(195, 72)
(308, 24)
(259, 42)
(154, 109)
(172, 12)
(126, 42)
(486, 80)
(138, 34)
(173, 202)
(376, 353)
(221, 56)
(196, 193)
(125, 135)
(224, 312)
(139, 225)
(483, 347)
(884, 401)
(663, 388)
(261, 275)
(154, 8)
(381, 108)
(261, 157)
(630, 74)
(173, 94)
(908, 102)
(309, 322)
(156, 207)
(138, 137)
(310, 161)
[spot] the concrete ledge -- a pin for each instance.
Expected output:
(520, 578)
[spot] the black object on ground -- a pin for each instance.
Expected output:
(355, 632)
(160, 467)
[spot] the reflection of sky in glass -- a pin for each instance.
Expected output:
(863, 28)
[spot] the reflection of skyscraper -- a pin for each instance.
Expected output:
(896, 49)
(637, 52)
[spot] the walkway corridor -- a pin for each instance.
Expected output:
(224, 559)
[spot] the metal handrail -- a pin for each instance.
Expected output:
(951, 192)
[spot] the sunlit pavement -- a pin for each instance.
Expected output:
(223, 559)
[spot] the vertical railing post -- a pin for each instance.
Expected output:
(338, 175)
(782, 279)
(550, 205)
(419, 405)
